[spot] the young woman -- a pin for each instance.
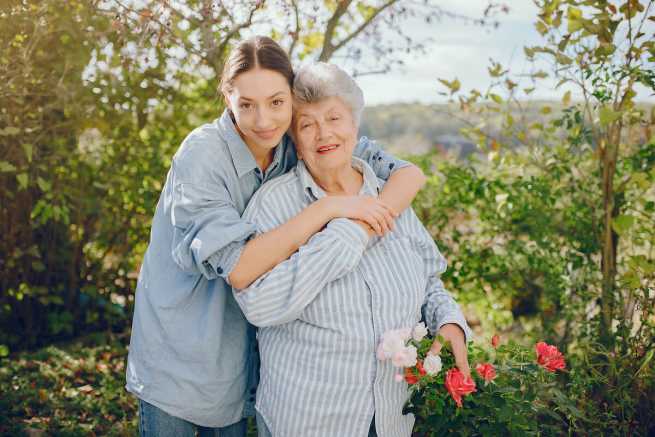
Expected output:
(192, 353)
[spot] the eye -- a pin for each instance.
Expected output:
(278, 102)
(245, 105)
(335, 118)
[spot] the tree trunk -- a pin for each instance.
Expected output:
(609, 237)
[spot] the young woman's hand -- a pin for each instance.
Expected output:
(373, 211)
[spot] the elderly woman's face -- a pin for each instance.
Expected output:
(325, 133)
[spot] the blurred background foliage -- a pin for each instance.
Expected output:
(545, 210)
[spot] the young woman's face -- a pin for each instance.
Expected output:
(261, 103)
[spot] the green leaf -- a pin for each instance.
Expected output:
(563, 59)
(43, 184)
(6, 167)
(22, 179)
(4, 350)
(28, 149)
(10, 130)
(453, 85)
(575, 22)
(541, 27)
(529, 52)
(623, 223)
(496, 98)
(566, 99)
(649, 357)
(607, 115)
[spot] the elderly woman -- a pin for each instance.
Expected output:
(323, 311)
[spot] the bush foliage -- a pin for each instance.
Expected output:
(549, 230)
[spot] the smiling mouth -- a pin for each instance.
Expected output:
(327, 148)
(268, 134)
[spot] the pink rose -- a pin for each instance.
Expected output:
(392, 342)
(486, 371)
(458, 385)
(405, 357)
(549, 357)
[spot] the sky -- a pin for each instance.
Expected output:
(462, 51)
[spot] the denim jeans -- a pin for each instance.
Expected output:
(154, 422)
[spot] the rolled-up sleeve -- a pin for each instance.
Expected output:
(209, 233)
(382, 163)
(281, 295)
(439, 307)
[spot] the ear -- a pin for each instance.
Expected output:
(226, 99)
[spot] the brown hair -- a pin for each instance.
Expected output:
(259, 51)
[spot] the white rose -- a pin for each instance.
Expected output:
(420, 331)
(405, 357)
(391, 343)
(432, 364)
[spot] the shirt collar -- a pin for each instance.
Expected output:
(244, 161)
(370, 187)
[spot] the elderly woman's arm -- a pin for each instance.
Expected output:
(281, 295)
(441, 312)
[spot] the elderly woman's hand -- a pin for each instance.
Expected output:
(453, 333)
(370, 210)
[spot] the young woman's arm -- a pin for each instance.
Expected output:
(404, 179)
(402, 187)
(267, 250)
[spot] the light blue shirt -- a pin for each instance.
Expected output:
(323, 311)
(192, 352)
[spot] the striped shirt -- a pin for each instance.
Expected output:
(323, 311)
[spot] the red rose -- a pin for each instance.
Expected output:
(486, 371)
(495, 341)
(419, 367)
(410, 376)
(458, 385)
(549, 357)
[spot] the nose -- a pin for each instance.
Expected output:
(262, 119)
(322, 131)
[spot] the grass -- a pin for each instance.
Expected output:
(69, 389)
(74, 389)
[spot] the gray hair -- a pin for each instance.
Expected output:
(319, 80)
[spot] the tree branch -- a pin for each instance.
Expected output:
(333, 22)
(364, 25)
(296, 33)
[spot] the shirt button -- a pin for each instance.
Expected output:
(390, 166)
(253, 391)
(219, 270)
(252, 399)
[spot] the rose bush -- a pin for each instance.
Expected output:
(511, 391)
